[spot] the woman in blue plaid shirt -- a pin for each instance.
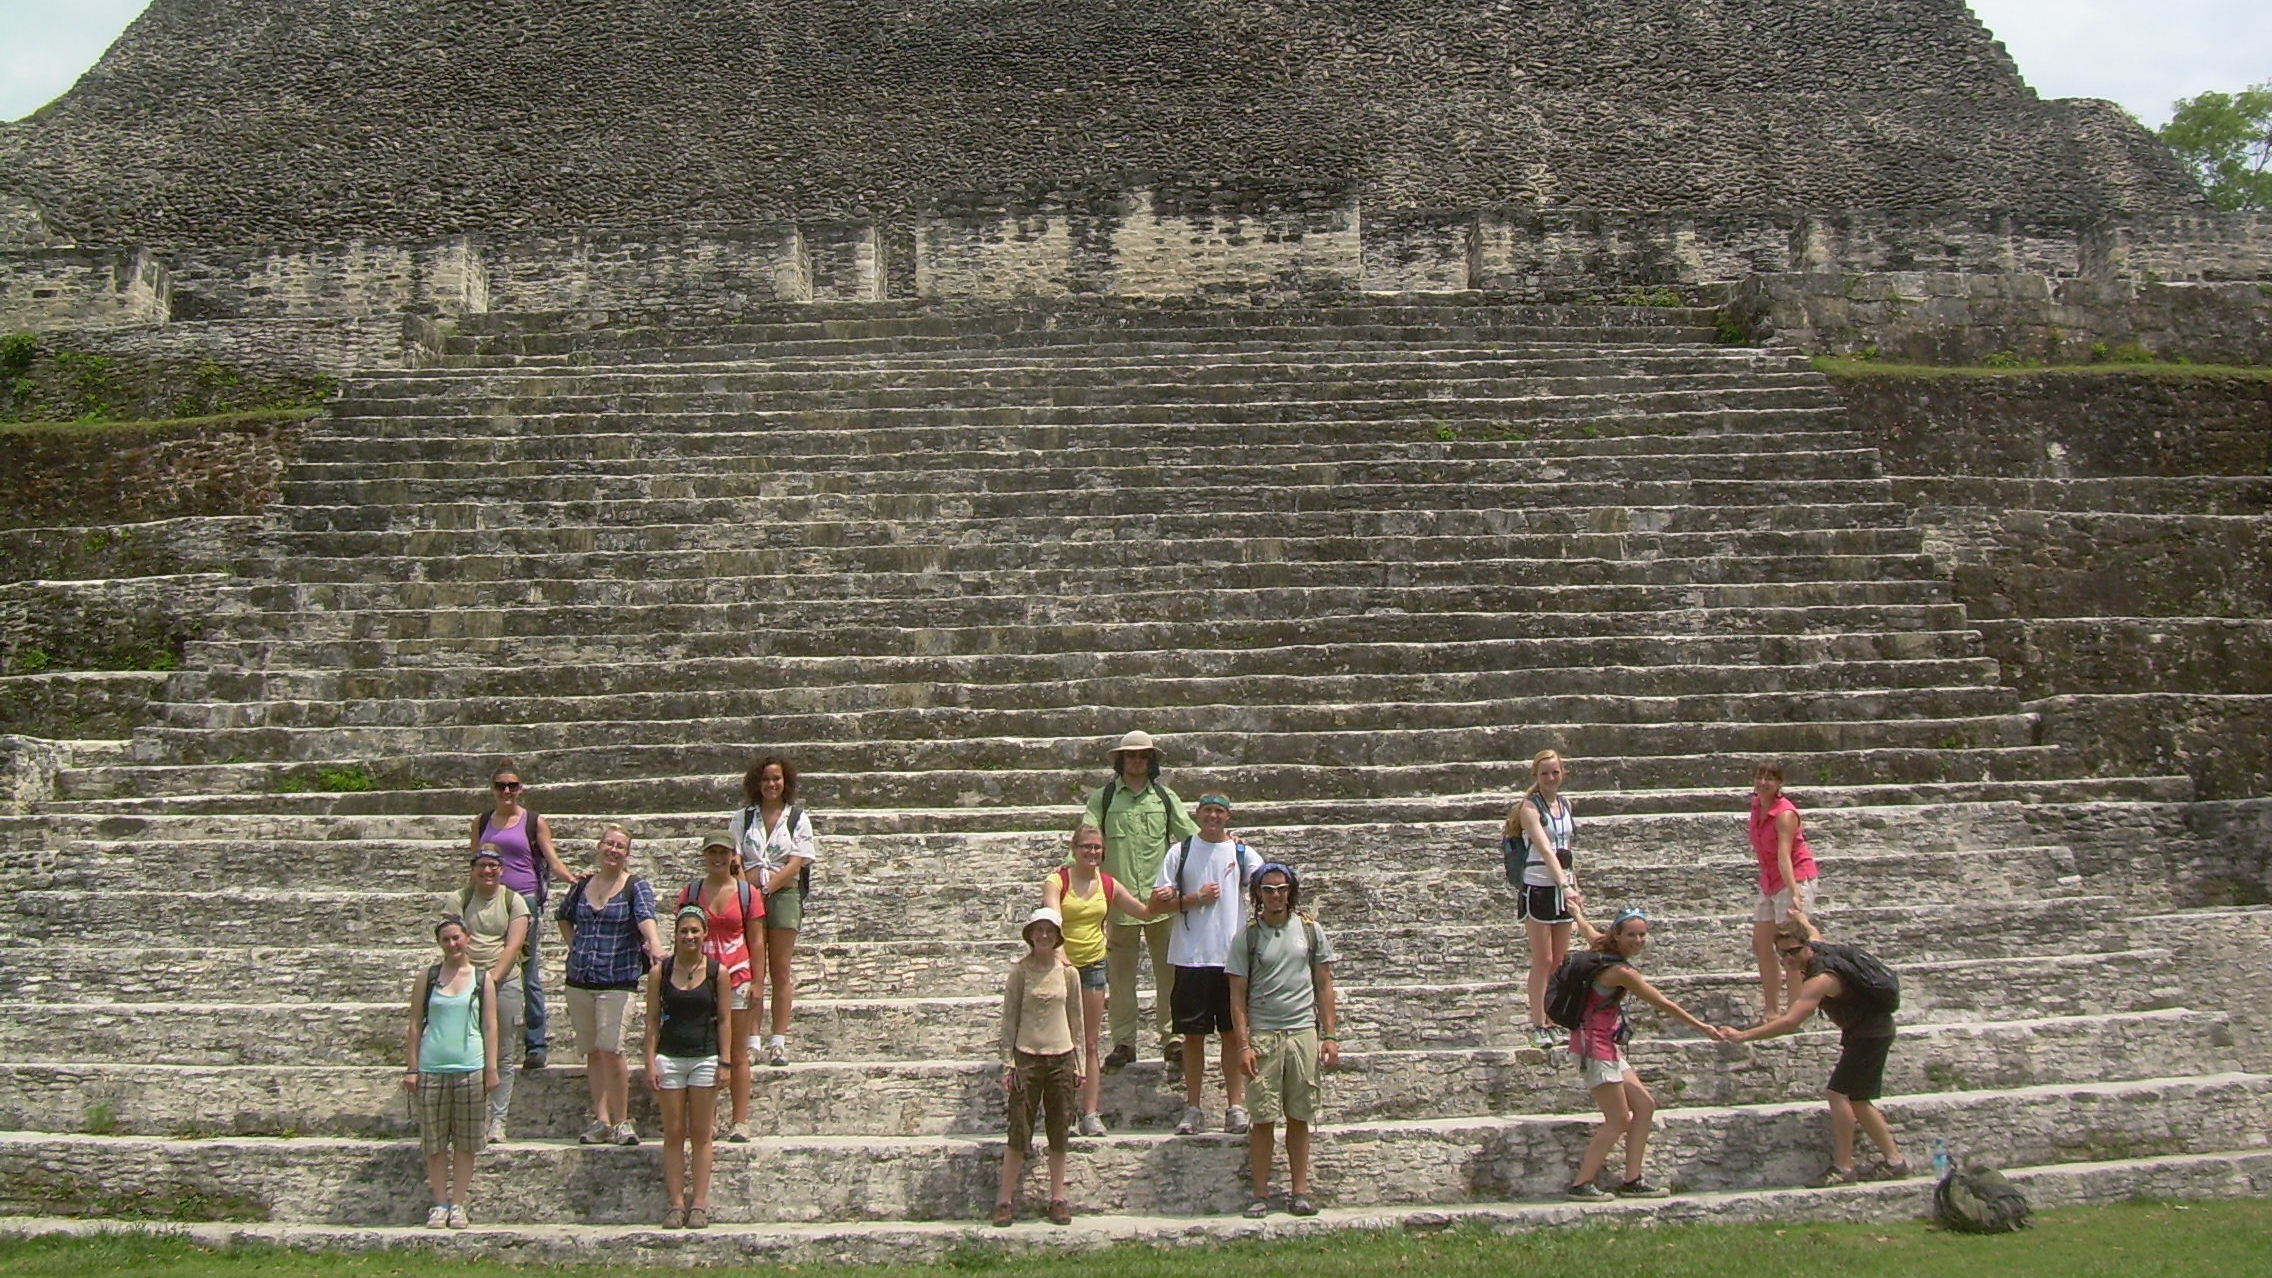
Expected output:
(608, 923)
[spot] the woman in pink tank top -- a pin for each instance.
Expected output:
(1786, 876)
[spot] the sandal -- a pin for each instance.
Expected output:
(675, 1218)
(1060, 1212)
(698, 1218)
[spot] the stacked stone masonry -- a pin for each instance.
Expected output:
(1353, 561)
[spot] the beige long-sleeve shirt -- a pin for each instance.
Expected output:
(1041, 1016)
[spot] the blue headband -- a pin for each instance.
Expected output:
(1626, 915)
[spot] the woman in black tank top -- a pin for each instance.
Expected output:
(687, 1023)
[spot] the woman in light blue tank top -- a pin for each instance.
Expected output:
(451, 1047)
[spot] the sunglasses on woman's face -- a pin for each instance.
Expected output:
(505, 787)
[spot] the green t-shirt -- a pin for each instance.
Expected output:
(486, 922)
(1281, 993)
(1137, 832)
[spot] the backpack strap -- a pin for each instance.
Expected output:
(1183, 863)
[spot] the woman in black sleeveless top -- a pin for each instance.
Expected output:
(687, 1023)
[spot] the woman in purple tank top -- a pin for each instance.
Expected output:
(530, 863)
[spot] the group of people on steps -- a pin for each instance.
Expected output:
(1232, 956)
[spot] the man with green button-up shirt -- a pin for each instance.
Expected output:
(1140, 819)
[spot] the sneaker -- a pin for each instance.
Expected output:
(1894, 1171)
(1257, 1208)
(1093, 1125)
(1638, 1188)
(1192, 1122)
(1302, 1206)
(438, 1216)
(777, 1055)
(458, 1218)
(738, 1133)
(1545, 1037)
(1235, 1120)
(598, 1133)
(1120, 1056)
(496, 1134)
(1835, 1176)
(1588, 1192)
(535, 1058)
(625, 1133)
(1171, 1050)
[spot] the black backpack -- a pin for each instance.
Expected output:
(1978, 1200)
(1239, 854)
(1566, 992)
(789, 823)
(1865, 984)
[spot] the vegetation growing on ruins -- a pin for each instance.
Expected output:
(45, 379)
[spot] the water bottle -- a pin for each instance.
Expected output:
(1940, 1157)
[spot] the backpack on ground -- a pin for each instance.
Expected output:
(1978, 1200)
(789, 823)
(1566, 992)
(1861, 977)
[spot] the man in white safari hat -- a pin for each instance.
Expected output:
(1140, 819)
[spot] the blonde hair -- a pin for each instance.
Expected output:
(617, 829)
(1515, 813)
(1797, 929)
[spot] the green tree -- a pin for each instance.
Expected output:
(2227, 138)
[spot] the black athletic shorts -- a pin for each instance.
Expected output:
(1545, 904)
(1860, 1072)
(1201, 1001)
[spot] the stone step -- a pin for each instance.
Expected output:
(980, 773)
(1081, 370)
(2133, 654)
(2176, 1177)
(2136, 797)
(824, 1178)
(78, 703)
(1828, 476)
(986, 909)
(933, 1098)
(156, 548)
(1966, 718)
(853, 518)
(339, 454)
(1234, 578)
(1396, 951)
(2124, 494)
(1880, 690)
(829, 1027)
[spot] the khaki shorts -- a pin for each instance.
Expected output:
(1286, 1083)
(784, 910)
(598, 1018)
(1776, 908)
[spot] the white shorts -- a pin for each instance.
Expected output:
(677, 1073)
(738, 999)
(1776, 908)
(1600, 1072)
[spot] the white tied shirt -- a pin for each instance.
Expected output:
(1203, 933)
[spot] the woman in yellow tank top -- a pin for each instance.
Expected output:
(1081, 891)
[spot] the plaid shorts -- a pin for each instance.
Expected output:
(452, 1112)
(1044, 1087)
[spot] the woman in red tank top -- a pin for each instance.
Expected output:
(1786, 877)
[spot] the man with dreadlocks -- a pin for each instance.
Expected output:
(1283, 1011)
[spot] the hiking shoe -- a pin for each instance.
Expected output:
(698, 1218)
(1834, 1176)
(1060, 1212)
(1171, 1050)
(438, 1216)
(1588, 1192)
(1302, 1206)
(738, 1133)
(675, 1218)
(625, 1133)
(1638, 1188)
(598, 1133)
(1004, 1213)
(1235, 1120)
(1893, 1171)
(535, 1059)
(1093, 1125)
(458, 1218)
(1121, 1055)
(1257, 1208)
(1192, 1122)
(777, 1055)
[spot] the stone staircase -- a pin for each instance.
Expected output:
(1354, 562)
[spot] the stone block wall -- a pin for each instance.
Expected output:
(82, 476)
(355, 277)
(720, 269)
(79, 288)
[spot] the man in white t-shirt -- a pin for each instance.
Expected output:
(1203, 880)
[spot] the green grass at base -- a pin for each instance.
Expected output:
(161, 425)
(2130, 1240)
(1852, 366)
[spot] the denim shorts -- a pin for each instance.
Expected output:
(1092, 976)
